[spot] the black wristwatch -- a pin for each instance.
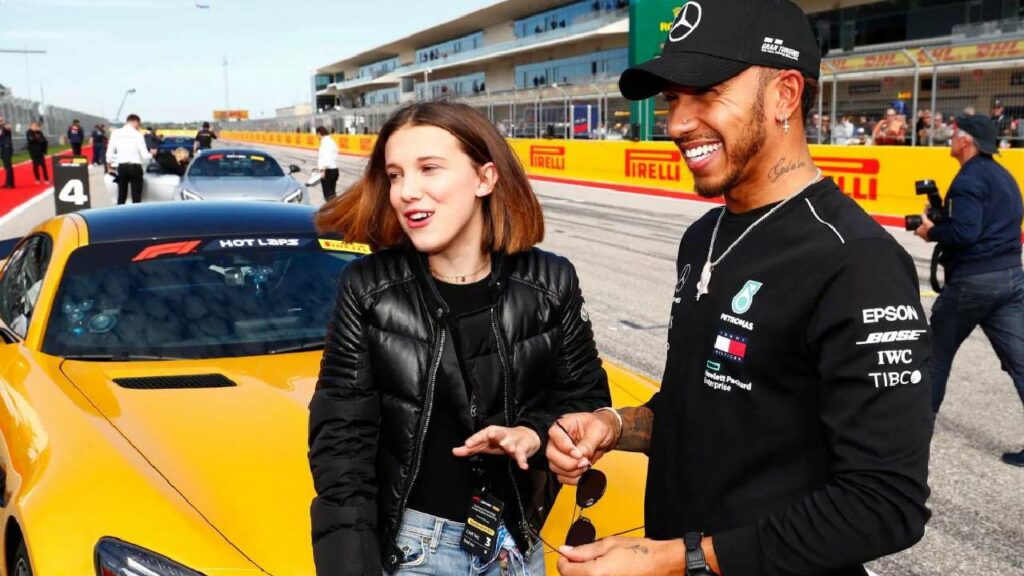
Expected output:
(696, 564)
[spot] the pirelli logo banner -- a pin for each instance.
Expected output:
(548, 157)
(879, 178)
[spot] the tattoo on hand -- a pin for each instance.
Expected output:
(636, 429)
(638, 549)
(781, 168)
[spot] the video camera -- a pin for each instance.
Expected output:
(934, 210)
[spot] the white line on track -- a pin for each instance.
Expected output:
(24, 206)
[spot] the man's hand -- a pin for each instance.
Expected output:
(620, 556)
(925, 227)
(577, 441)
(520, 443)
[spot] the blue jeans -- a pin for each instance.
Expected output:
(431, 546)
(993, 300)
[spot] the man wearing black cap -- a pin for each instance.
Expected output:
(980, 240)
(792, 428)
(204, 138)
(1003, 123)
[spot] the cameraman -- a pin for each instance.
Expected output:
(980, 237)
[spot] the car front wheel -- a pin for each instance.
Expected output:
(22, 567)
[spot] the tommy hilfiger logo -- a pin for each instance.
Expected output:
(774, 46)
(731, 346)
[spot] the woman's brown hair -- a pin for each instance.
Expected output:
(513, 219)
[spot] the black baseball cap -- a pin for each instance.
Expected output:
(983, 130)
(711, 41)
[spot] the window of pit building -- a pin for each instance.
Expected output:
(379, 68)
(568, 16)
(604, 65)
(450, 47)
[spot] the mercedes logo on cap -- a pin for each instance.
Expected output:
(689, 19)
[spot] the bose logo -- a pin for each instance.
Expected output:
(889, 314)
(892, 336)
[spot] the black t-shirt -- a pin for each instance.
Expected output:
(445, 482)
(205, 139)
(793, 422)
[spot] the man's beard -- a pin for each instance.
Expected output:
(739, 155)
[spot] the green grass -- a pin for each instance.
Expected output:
(22, 156)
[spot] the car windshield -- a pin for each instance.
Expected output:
(190, 298)
(227, 165)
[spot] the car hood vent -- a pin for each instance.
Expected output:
(192, 381)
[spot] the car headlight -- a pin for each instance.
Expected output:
(117, 558)
(186, 195)
(294, 197)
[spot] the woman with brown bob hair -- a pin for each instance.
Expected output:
(451, 351)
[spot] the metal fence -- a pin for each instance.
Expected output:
(924, 98)
(54, 120)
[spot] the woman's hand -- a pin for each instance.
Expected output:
(520, 443)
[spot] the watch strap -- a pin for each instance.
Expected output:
(696, 564)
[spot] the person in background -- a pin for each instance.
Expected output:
(924, 122)
(939, 134)
(980, 238)
(76, 135)
(970, 111)
(37, 145)
(1004, 124)
(843, 134)
(6, 152)
(890, 131)
(204, 138)
(99, 144)
(152, 140)
(129, 152)
(327, 163)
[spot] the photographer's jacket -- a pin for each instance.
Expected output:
(980, 229)
(794, 420)
(380, 363)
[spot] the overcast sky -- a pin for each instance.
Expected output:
(171, 51)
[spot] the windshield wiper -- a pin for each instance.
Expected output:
(120, 357)
(318, 345)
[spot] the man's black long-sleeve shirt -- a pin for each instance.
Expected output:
(793, 422)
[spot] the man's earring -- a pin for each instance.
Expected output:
(785, 125)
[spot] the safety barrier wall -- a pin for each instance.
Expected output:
(880, 178)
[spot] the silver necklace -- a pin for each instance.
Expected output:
(709, 265)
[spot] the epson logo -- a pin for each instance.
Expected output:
(892, 336)
(889, 314)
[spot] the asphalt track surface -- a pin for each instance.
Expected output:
(624, 247)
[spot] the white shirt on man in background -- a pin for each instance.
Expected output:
(327, 159)
(127, 146)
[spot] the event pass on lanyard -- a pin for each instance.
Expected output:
(482, 524)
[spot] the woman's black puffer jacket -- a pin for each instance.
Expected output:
(381, 357)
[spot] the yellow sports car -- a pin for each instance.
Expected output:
(156, 366)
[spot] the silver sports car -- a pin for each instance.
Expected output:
(239, 174)
(220, 174)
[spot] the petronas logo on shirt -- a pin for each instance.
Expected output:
(744, 299)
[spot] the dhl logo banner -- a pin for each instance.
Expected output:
(942, 55)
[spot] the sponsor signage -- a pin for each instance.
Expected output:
(230, 114)
(664, 165)
(943, 55)
(856, 177)
(548, 157)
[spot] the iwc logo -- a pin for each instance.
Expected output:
(744, 299)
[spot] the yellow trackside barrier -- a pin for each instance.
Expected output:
(880, 178)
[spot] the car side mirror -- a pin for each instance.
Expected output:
(293, 169)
